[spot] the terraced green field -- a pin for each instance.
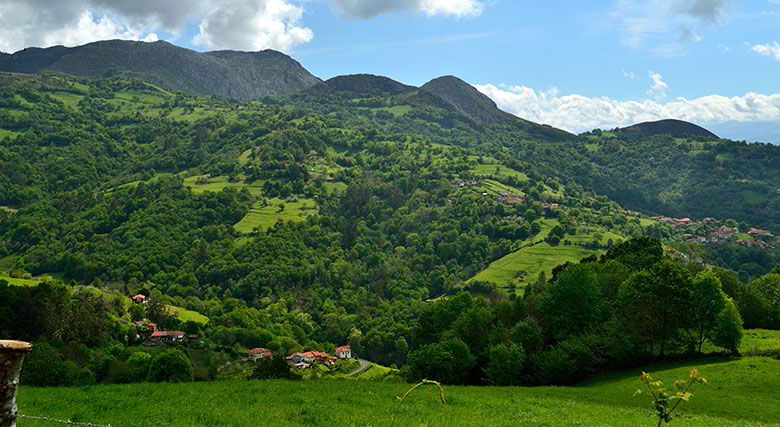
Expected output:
(13, 281)
(265, 216)
(740, 392)
(219, 183)
(498, 171)
(523, 266)
(7, 209)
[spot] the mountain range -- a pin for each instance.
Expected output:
(253, 75)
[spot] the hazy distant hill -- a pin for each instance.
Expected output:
(228, 73)
(676, 128)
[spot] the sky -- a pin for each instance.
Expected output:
(573, 64)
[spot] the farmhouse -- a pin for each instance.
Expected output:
(169, 336)
(260, 353)
(759, 232)
(344, 352)
(139, 298)
(550, 206)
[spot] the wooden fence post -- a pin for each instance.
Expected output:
(11, 357)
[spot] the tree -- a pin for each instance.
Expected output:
(171, 366)
(655, 304)
(638, 253)
(156, 311)
(137, 312)
(572, 303)
(528, 335)
(727, 331)
(707, 304)
(274, 368)
(138, 366)
(505, 365)
(448, 362)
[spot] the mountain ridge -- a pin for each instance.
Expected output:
(673, 127)
(228, 73)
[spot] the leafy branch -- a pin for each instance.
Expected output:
(666, 403)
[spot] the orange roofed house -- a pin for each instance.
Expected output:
(169, 336)
(344, 352)
(260, 353)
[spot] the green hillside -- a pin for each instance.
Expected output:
(740, 392)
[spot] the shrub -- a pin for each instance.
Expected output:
(172, 366)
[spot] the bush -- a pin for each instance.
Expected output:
(172, 366)
(275, 368)
(553, 367)
(505, 365)
(448, 362)
(138, 366)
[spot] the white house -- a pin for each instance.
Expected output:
(344, 352)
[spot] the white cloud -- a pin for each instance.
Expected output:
(253, 25)
(769, 49)
(234, 24)
(365, 9)
(628, 74)
(659, 89)
(577, 113)
(669, 25)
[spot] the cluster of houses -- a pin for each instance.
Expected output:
(305, 359)
(723, 234)
(158, 336)
(674, 222)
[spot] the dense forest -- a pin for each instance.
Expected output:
(368, 213)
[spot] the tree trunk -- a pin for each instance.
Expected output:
(11, 357)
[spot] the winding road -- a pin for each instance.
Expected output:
(363, 366)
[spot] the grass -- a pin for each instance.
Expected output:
(498, 170)
(8, 133)
(243, 158)
(740, 392)
(523, 266)
(219, 183)
(334, 188)
(754, 342)
(186, 315)
(265, 216)
(13, 281)
(6, 208)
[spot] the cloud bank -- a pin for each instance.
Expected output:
(222, 24)
(578, 113)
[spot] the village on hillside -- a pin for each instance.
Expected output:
(710, 230)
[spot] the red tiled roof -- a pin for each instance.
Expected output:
(343, 348)
(158, 334)
(259, 351)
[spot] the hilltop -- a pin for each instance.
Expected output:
(675, 128)
(227, 73)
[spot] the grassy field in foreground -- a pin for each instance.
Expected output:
(740, 392)
(265, 217)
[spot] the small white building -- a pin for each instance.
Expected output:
(344, 352)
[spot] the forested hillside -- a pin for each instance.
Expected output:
(404, 221)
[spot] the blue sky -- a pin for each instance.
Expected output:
(575, 64)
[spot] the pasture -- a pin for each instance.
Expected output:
(740, 392)
(263, 216)
(524, 265)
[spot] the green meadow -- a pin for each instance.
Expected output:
(264, 216)
(186, 315)
(200, 184)
(524, 265)
(739, 392)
